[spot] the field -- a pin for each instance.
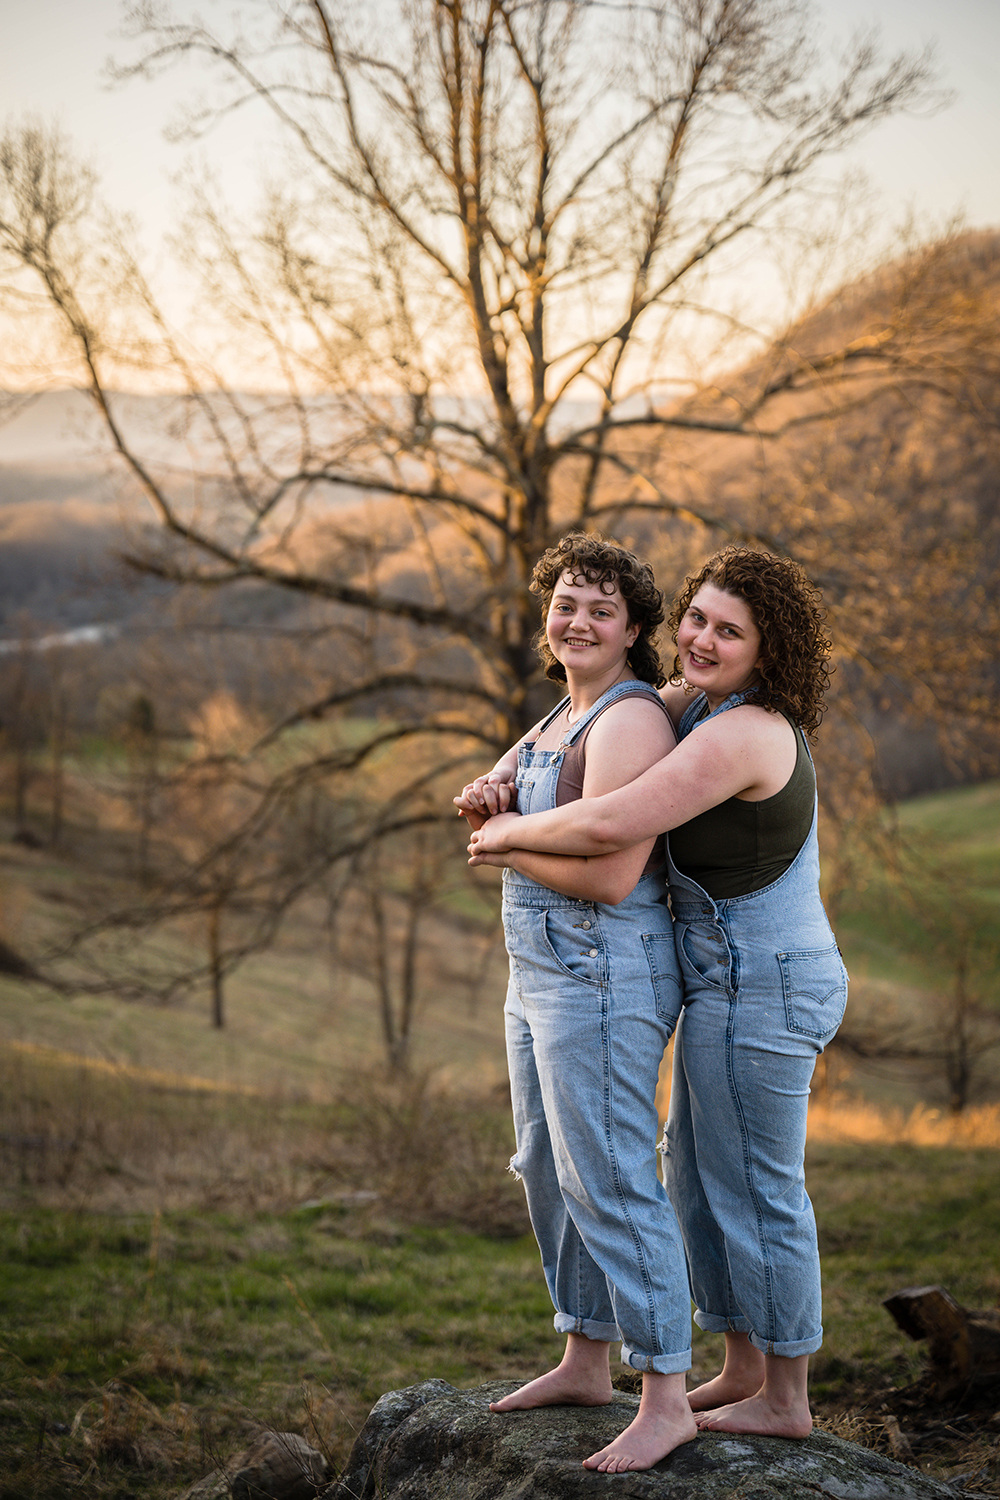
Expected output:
(206, 1233)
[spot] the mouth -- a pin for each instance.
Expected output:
(700, 661)
(572, 641)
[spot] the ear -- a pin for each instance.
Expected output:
(632, 635)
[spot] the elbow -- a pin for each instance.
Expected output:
(612, 893)
(605, 836)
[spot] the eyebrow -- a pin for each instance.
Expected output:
(721, 624)
(614, 600)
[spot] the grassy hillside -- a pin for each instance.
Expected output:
(952, 839)
(207, 1232)
(298, 1025)
(920, 932)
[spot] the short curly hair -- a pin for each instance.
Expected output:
(787, 610)
(597, 560)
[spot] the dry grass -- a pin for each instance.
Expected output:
(842, 1118)
(109, 1138)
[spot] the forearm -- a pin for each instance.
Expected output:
(607, 879)
(579, 828)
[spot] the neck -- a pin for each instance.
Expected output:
(584, 692)
(714, 700)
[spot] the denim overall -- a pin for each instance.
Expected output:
(593, 998)
(764, 992)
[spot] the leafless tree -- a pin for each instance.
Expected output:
(506, 237)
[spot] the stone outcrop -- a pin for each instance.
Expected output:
(433, 1442)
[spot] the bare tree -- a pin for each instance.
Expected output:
(506, 235)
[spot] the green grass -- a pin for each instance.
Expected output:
(215, 1324)
(892, 1217)
(907, 932)
(166, 1338)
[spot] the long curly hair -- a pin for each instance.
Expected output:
(787, 610)
(597, 560)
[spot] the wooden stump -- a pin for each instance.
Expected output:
(964, 1345)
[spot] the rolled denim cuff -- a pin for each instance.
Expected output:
(788, 1351)
(658, 1364)
(591, 1328)
(717, 1323)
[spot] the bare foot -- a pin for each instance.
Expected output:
(725, 1389)
(759, 1415)
(560, 1387)
(644, 1442)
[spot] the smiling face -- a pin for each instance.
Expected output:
(588, 628)
(718, 644)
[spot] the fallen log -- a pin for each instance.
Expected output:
(964, 1346)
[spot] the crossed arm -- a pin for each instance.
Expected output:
(623, 742)
(746, 752)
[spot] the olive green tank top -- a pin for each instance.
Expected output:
(739, 847)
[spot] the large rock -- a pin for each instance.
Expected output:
(433, 1442)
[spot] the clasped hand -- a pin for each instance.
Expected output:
(485, 796)
(491, 839)
(487, 806)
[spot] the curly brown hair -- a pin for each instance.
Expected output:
(787, 610)
(594, 558)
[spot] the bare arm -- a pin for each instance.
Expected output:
(623, 742)
(601, 877)
(744, 752)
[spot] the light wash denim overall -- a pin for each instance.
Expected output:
(764, 992)
(593, 998)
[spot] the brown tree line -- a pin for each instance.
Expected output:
(508, 239)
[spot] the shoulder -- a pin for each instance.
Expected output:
(675, 700)
(633, 713)
(748, 730)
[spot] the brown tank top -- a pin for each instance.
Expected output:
(569, 787)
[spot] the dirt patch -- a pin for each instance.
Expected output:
(957, 1439)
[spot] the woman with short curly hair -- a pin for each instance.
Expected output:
(609, 566)
(764, 984)
(593, 997)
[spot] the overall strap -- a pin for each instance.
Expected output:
(632, 689)
(692, 715)
(554, 714)
(691, 718)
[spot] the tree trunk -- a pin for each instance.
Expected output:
(215, 963)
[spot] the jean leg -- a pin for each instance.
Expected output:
(704, 1241)
(577, 1285)
(597, 1074)
(748, 1078)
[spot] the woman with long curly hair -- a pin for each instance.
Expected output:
(593, 998)
(764, 984)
